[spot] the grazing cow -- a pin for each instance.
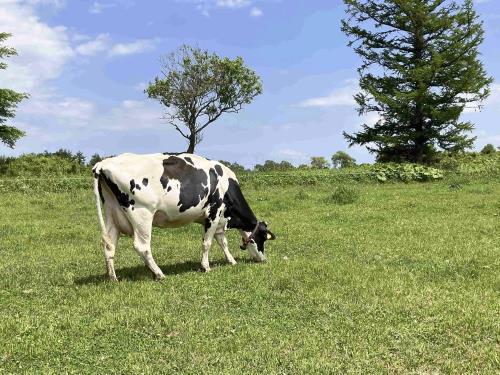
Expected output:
(172, 190)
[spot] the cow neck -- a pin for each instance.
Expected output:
(238, 211)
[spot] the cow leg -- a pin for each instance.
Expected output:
(110, 248)
(222, 241)
(142, 240)
(207, 243)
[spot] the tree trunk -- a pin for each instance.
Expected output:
(192, 143)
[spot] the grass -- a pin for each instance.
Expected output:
(403, 280)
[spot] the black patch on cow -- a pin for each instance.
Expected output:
(172, 153)
(192, 181)
(237, 209)
(208, 224)
(121, 197)
(218, 168)
(99, 188)
(145, 181)
(169, 188)
(138, 187)
(189, 160)
(132, 186)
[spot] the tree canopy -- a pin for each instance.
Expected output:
(9, 99)
(420, 69)
(197, 87)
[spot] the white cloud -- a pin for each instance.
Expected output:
(139, 46)
(233, 3)
(54, 3)
(342, 96)
(131, 114)
(63, 110)
(255, 12)
(91, 48)
(205, 6)
(293, 156)
(97, 7)
(43, 50)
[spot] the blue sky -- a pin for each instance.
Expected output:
(86, 64)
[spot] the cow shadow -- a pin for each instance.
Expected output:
(141, 272)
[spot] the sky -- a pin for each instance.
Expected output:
(86, 64)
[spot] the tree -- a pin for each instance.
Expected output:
(342, 159)
(9, 99)
(197, 87)
(319, 162)
(419, 71)
(488, 149)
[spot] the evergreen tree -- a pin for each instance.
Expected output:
(420, 69)
(9, 99)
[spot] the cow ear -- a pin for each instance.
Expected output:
(270, 235)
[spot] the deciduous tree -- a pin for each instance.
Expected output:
(197, 87)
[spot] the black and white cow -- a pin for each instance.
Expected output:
(172, 190)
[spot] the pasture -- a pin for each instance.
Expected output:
(405, 279)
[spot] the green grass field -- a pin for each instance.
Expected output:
(403, 280)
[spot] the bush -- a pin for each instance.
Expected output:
(343, 195)
(33, 165)
(488, 149)
(406, 172)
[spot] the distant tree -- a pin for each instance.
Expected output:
(80, 158)
(420, 69)
(271, 165)
(9, 99)
(235, 167)
(342, 159)
(488, 149)
(95, 159)
(197, 87)
(319, 162)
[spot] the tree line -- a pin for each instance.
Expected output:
(420, 69)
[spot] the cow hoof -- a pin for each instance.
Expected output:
(159, 277)
(207, 269)
(113, 278)
(233, 263)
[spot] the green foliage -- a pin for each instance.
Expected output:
(319, 162)
(270, 165)
(406, 172)
(343, 195)
(32, 165)
(9, 99)
(488, 149)
(420, 70)
(471, 164)
(197, 87)
(59, 163)
(342, 159)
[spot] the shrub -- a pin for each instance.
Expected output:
(488, 149)
(344, 195)
(33, 165)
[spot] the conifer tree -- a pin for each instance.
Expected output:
(9, 99)
(420, 69)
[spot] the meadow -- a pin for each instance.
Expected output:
(370, 278)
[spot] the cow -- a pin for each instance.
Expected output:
(172, 190)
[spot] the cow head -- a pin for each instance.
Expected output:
(254, 241)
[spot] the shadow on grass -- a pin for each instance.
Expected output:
(141, 272)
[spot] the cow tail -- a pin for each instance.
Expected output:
(104, 233)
